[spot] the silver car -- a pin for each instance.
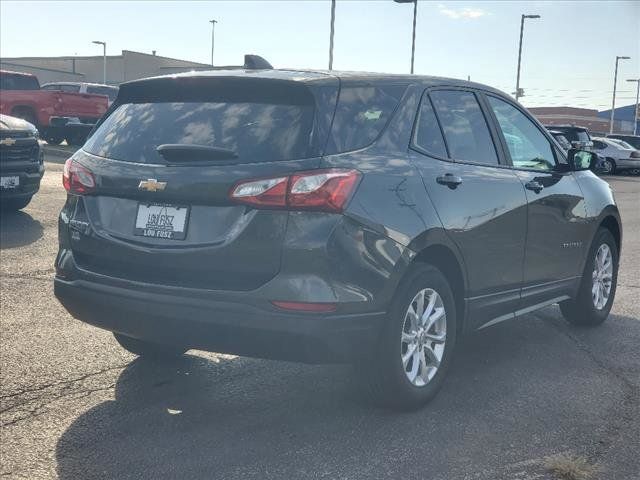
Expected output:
(618, 155)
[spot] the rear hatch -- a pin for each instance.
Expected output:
(163, 215)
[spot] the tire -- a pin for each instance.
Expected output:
(385, 374)
(76, 139)
(608, 166)
(146, 349)
(15, 204)
(583, 310)
(54, 139)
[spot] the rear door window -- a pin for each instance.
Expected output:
(361, 114)
(465, 127)
(256, 132)
(428, 136)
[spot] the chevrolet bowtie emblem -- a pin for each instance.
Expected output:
(151, 185)
(7, 141)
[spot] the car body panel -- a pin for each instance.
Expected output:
(506, 241)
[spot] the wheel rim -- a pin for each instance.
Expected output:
(602, 276)
(607, 166)
(424, 333)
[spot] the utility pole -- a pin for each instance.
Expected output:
(333, 21)
(613, 101)
(413, 38)
(104, 59)
(519, 93)
(637, 115)
(213, 31)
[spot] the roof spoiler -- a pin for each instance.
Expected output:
(256, 62)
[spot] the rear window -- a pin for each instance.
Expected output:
(576, 135)
(110, 92)
(361, 114)
(257, 132)
(9, 81)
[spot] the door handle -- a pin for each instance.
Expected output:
(534, 185)
(450, 180)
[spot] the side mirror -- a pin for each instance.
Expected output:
(583, 160)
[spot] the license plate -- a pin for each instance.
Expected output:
(9, 182)
(161, 221)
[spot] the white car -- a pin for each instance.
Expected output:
(618, 155)
(82, 87)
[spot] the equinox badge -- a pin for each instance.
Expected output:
(151, 185)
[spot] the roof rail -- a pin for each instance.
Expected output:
(256, 62)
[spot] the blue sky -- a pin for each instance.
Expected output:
(568, 55)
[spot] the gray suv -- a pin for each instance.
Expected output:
(329, 217)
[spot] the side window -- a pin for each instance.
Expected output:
(465, 127)
(70, 88)
(527, 145)
(428, 135)
(361, 114)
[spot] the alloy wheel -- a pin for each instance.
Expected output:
(424, 334)
(602, 276)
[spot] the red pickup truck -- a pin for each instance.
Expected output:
(54, 113)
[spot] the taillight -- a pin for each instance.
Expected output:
(635, 154)
(77, 179)
(319, 190)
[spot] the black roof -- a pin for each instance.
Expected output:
(309, 76)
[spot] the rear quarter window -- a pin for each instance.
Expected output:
(361, 114)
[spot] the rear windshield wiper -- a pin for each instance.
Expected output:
(185, 152)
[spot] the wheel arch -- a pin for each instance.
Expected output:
(611, 223)
(444, 259)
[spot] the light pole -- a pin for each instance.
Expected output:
(519, 93)
(413, 38)
(613, 102)
(104, 59)
(213, 30)
(332, 30)
(637, 115)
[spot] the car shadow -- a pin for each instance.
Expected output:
(18, 229)
(509, 388)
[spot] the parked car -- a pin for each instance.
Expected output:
(618, 155)
(578, 136)
(633, 140)
(561, 139)
(21, 162)
(329, 217)
(49, 111)
(110, 91)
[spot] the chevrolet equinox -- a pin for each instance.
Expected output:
(329, 217)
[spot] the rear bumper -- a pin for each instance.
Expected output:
(624, 163)
(166, 316)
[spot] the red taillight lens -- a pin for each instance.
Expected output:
(77, 179)
(319, 190)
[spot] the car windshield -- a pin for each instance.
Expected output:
(621, 143)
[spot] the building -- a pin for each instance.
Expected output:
(120, 68)
(596, 122)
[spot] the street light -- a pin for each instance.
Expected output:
(413, 40)
(104, 59)
(213, 28)
(519, 93)
(637, 115)
(332, 30)
(613, 102)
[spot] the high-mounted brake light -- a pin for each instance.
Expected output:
(319, 190)
(77, 179)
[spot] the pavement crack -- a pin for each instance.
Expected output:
(60, 383)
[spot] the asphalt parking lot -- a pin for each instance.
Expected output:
(74, 405)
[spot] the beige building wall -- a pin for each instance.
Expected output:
(120, 68)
